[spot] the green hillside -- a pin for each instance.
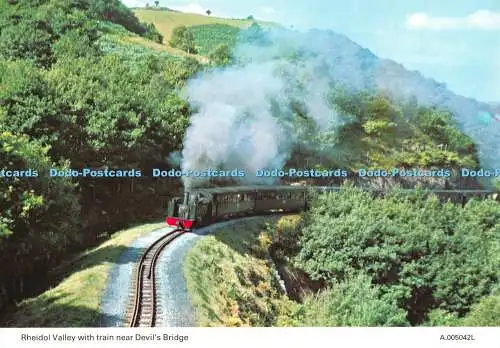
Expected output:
(166, 21)
(208, 31)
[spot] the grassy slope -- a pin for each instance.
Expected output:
(75, 301)
(166, 21)
(230, 281)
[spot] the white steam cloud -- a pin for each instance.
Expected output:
(245, 116)
(246, 113)
(234, 127)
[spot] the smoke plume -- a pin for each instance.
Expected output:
(246, 112)
(244, 119)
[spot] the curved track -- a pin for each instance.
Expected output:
(144, 310)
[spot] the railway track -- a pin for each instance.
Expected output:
(145, 310)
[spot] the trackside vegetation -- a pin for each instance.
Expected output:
(74, 93)
(400, 260)
(230, 279)
(75, 300)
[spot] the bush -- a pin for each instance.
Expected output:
(485, 313)
(209, 36)
(152, 33)
(221, 55)
(27, 40)
(353, 302)
(183, 39)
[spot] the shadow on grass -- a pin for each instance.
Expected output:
(118, 255)
(55, 311)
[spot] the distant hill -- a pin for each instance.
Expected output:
(359, 68)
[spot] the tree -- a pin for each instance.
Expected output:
(152, 33)
(183, 38)
(66, 101)
(353, 302)
(38, 215)
(27, 40)
(157, 3)
(255, 35)
(250, 18)
(209, 12)
(221, 55)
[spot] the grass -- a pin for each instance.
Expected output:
(231, 281)
(75, 301)
(166, 21)
(209, 31)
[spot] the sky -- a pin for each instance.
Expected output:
(452, 41)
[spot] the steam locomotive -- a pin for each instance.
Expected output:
(204, 206)
(201, 207)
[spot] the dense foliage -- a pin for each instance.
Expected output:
(73, 92)
(422, 254)
(229, 277)
(351, 303)
(28, 29)
(221, 55)
(39, 215)
(381, 133)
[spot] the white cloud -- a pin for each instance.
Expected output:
(482, 19)
(189, 8)
(267, 10)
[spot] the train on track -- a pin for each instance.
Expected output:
(204, 206)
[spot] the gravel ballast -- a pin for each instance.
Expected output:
(117, 294)
(174, 307)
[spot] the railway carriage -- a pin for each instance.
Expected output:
(280, 198)
(203, 206)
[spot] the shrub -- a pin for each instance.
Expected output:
(353, 302)
(183, 39)
(221, 55)
(485, 313)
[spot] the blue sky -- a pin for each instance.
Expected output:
(452, 41)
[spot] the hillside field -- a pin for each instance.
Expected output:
(208, 30)
(166, 21)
